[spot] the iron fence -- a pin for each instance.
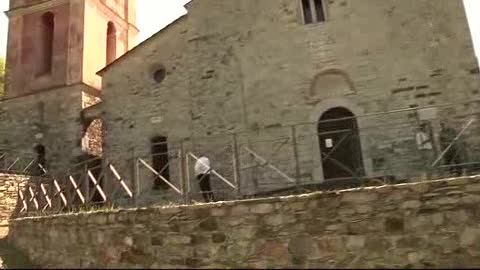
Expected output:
(338, 152)
(13, 161)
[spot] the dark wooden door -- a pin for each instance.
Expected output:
(340, 145)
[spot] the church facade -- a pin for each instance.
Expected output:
(259, 67)
(233, 73)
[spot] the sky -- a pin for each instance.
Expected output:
(153, 15)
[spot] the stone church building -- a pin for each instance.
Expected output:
(232, 73)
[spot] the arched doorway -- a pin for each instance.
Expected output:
(340, 146)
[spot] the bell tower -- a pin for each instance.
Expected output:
(54, 50)
(56, 43)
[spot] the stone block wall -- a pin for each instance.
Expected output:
(426, 224)
(50, 118)
(93, 136)
(9, 184)
(253, 65)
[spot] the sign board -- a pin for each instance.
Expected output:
(329, 143)
(427, 114)
(156, 120)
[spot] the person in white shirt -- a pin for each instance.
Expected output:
(425, 147)
(202, 172)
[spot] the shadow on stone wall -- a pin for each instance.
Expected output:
(10, 207)
(12, 258)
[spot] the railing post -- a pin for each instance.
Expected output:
(187, 173)
(295, 154)
(236, 165)
(3, 156)
(86, 182)
(107, 183)
(135, 178)
(183, 173)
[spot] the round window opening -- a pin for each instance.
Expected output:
(159, 75)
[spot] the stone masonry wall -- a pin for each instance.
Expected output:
(9, 184)
(426, 224)
(234, 66)
(50, 118)
(93, 137)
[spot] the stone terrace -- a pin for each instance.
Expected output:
(425, 224)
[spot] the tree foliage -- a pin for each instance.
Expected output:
(2, 76)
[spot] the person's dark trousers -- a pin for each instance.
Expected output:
(453, 160)
(204, 182)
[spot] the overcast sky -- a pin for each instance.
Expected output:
(155, 14)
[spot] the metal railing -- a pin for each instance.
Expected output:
(48, 194)
(16, 161)
(344, 152)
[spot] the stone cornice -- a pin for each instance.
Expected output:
(61, 87)
(113, 13)
(47, 4)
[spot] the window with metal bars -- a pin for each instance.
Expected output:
(313, 11)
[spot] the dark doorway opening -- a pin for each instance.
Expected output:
(340, 146)
(40, 160)
(160, 161)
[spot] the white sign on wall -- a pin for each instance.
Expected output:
(329, 143)
(156, 120)
(427, 114)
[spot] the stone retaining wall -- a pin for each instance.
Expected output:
(8, 199)
(427, 224)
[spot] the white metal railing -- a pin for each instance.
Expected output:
(177, 190)
(270, 165)
(38, 192)
(214, 172)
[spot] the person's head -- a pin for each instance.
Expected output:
(443, 125)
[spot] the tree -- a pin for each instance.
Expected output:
(2, 76)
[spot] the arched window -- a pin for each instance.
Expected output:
(46, 43)
(111, 43)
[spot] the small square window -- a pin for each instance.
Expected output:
(313, 11)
